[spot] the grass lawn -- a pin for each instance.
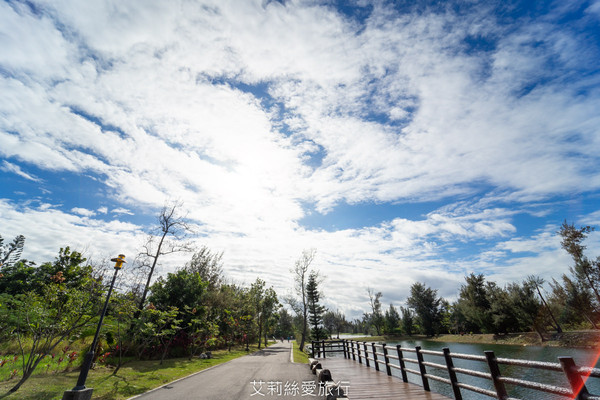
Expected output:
(133, 378)
(299, 356)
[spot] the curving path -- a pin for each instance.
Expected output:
(266, 374)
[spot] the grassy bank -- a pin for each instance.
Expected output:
(580, 339)
(299, 356)
(133, 378)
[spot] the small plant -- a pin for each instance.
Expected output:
(72, 356)
(103, 357)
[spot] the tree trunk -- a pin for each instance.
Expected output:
(590, 320)
(590, 282)
(259, 331)
(162, 358)
(303, 337)
(141, 306)
(556, 324)
(25, 376)
(540, 333)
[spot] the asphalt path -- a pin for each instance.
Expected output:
(266, 374)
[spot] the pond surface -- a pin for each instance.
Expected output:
(582, 357)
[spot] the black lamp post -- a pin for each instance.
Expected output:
(80, 392)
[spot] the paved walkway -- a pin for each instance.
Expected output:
(266, 374)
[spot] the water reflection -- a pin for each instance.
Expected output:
(582, 357)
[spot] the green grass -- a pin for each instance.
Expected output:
(299, 356)
(133, 378)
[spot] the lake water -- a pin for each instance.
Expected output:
(582, 357)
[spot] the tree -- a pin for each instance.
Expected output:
(445, 317)
(19, 278)
(474, 304)
(503, 310)
(376, 316)
(391, 320)
(334, 321)
(285, 324)
(426, 304)
(527, 306)
(170, 223)
(265, 306)
(586, 270)
(48, 318)
(315, 310)
(270, 306)
(180, 289)
(209, 266)
(198, 332)
(233, 309)
(536, 282)
(407, 321)
(576, 302)
(154, 329)
(11, 253)
(300, 304)
(256, 293)
(23, 276)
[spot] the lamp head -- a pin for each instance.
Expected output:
(119, 261)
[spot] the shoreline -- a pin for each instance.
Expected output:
(571, 339)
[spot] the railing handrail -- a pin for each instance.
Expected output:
(370, 352)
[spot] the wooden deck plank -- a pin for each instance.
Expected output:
(367, 383)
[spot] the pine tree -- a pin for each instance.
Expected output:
(315, 310)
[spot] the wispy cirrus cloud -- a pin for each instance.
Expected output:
(121, 211)
(10, 167)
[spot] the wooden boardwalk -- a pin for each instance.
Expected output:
(363, 382)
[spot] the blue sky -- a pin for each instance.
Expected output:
(404, 141)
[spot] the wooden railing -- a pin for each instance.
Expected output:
(381, 354)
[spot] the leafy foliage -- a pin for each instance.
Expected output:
(11, 252)
(49, 317)
(188, 311)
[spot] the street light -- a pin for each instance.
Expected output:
(80, 392)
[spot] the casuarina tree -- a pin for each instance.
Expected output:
(426, 303)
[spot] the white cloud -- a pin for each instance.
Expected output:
(161, 102)
(121, 211)
(53, 229)
(594, 8)
(84, 212)
(31, 44)
(10, 167)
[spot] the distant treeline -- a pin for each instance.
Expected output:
(572, 302)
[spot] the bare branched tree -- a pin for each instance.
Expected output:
(170, 237)
(300, 304)
(377, 315)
